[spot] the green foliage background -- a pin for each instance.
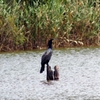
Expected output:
(28, 24)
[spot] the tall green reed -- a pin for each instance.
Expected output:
(37, 21)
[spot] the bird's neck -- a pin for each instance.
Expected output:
(50, 47)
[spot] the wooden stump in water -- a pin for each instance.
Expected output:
(52, 75)
(56, 72)
(49, 73)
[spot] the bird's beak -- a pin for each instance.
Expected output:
(55, 39)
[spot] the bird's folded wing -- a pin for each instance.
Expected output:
(46, 56)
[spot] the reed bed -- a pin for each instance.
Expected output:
(29, 24)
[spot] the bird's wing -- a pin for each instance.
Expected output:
(46, 56)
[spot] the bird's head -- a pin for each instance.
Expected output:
(50, 43)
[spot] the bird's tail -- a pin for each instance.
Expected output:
(42, 68)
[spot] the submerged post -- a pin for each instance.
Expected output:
(49, 73)
(52, 75)
(56, 72)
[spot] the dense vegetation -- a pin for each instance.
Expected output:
(28, 24)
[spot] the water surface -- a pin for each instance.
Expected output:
(79, 75)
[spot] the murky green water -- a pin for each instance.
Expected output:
(79, 75)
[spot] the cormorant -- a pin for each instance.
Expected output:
(46, 56)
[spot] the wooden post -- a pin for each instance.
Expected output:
(56, 72)
(50, 74)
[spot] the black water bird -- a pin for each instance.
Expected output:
(46, 56)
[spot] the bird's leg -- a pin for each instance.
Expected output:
(47, 73)
(47, 64)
